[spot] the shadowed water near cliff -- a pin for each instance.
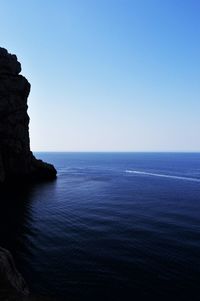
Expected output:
(15, 219)
(99, 232)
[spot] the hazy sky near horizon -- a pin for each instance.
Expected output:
(108, 75)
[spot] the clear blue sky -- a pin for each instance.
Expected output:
(108, 75)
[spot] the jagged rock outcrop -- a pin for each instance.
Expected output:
(12, 284)
(16, 160)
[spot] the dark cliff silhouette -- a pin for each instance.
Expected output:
(17, 162)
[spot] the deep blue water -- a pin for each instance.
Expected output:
(113, 226)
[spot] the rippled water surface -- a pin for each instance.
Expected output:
(111, 227)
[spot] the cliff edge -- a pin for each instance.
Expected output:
(16, 159)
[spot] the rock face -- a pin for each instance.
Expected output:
(16, 160)
(12, 283)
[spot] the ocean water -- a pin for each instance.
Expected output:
(113, 226)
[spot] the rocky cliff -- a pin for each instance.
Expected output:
(12, 283)
(16, 160)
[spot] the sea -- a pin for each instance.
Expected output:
(113, 226)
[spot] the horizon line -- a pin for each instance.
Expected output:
(115, 151)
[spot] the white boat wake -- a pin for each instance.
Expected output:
(162, 175)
